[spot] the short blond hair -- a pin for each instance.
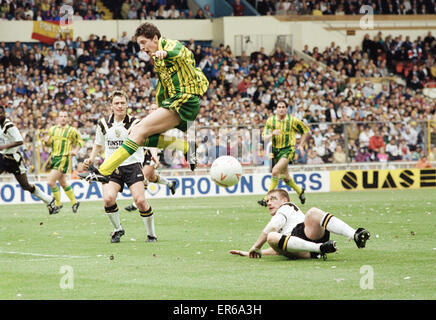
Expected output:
(283, 194)
(118, 93)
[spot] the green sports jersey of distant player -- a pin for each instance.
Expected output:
(289, 127)
(62, 140)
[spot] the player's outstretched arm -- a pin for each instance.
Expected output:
(255, 251)
(239, 252)
(266, 252)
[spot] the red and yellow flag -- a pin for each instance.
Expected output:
(48, 31)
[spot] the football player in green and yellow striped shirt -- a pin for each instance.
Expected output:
(178, 94)
(64, 141)
(282, 129)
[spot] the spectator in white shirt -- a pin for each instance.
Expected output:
(161, 13)
(104, 69)
(172, 12)
(50, 58)
(317, 137)
(315, 106)
(28, 12)
(411, 136)
(392, 150)
(61, 58)
(252, 88)
(364, 137)
(59, 43)
(77, 16)
(124, 39)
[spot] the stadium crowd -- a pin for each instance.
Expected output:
(77, 76)
(342, 7)
(381, 57)
(48, 10)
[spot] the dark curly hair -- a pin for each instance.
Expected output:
(147, 30)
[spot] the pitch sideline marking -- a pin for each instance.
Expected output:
(43, 255)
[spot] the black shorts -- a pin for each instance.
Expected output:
(298, 231)
(12, 163)
(128, 175)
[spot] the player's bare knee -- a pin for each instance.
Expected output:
(313, 216)
(275, 172)
(52, 183)
(143, 205)
(152, 178)
(63, 184)
(139, 133)
(273, 238)
(142, 130)
(139, 200)
(109, 200)
(149, 175)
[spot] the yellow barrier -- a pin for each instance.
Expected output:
(382, 179)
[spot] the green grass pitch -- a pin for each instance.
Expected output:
(191, 260)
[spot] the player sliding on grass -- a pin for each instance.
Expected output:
(178, 94)
(296, 235)
(110, 134)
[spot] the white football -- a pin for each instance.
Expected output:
(226, 171)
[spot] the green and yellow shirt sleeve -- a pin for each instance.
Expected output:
(77, 139)
(175, 49)
(50, 134)
(268, 128)
(177, 72)
(297, 126)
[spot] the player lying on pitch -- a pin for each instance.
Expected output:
(296, 235)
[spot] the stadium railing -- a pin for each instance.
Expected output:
(254, 154)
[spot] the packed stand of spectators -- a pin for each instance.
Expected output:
(383, 57)
(343, 7)
(157, 9)
(38, 80)
(50, 10)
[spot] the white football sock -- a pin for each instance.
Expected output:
(41, 195)
(162, 180)
(337, 226)
(296, 244)
(114, 219)
(148, 219)
(149, 225)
